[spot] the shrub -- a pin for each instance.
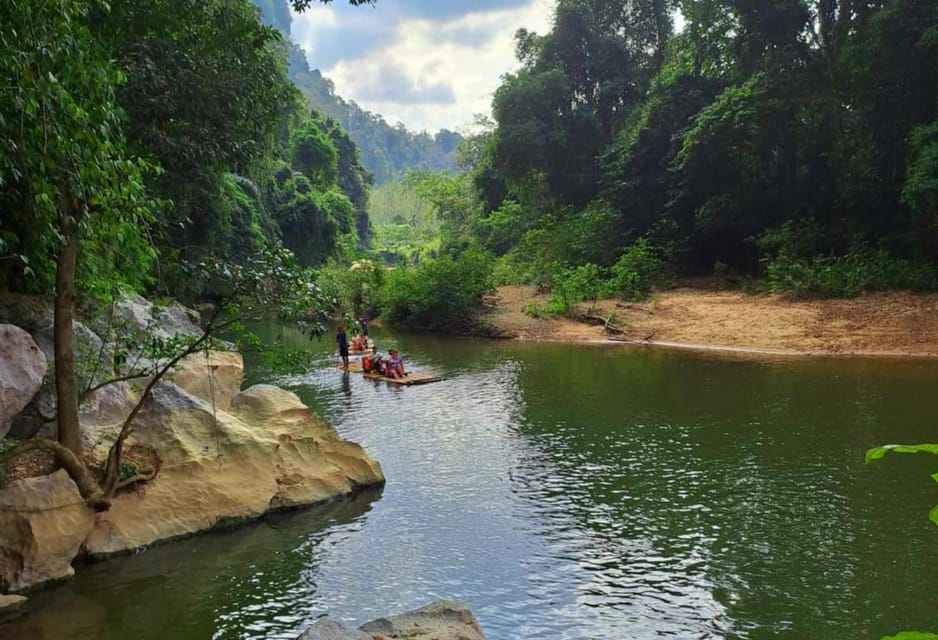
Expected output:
(636, 271)
(848, 275)
(572, 286)
(792, 266)
(444, 293)
(352, 289)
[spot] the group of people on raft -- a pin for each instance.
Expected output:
(389, 367)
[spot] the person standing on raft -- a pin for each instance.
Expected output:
(342, 340)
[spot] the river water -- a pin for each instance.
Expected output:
(571, 492)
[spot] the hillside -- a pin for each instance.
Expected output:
(386, 150)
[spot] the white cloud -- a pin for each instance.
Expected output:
(468, 54)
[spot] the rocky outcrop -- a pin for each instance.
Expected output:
(217, 468)
(136, 314)
(442, 620)
(214, 376)
(22, 368)
(43, 522)
(221, 455)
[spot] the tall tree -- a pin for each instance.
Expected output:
(65, 169)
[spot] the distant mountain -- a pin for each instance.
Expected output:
(387, 151)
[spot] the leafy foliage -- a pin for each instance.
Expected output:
(792, 266)
(444, 293)
(63, 165)
(754, 116)
(636, 271)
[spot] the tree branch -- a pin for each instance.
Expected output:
(87, 392)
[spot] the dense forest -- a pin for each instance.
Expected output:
(159, 134)
(783, 144)
(386, 151)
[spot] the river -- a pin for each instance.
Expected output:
(571, 492)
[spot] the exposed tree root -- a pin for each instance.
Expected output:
(88, 486)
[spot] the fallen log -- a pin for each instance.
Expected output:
(605, 322)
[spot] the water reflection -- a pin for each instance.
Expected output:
(251, 582)
(574, 492)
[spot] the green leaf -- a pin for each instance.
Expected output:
(912, 635)
(933, 514)
(879, 452)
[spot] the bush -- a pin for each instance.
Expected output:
(571, 286)
(444, 293)
(635, 272)
(793, 266)
(848, 275)
(352, 289)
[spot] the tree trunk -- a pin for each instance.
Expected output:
(87, 484)
(66, 388)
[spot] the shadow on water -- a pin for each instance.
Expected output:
(252, 581)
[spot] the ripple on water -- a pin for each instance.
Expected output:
(567, 493)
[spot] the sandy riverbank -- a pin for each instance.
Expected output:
(891, 324)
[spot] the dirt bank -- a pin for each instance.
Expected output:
(892, 324)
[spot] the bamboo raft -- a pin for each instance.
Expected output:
(408, 380)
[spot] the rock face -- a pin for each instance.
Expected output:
(442, 620)
(135, 313)
(217, 374)
(223, 467)
(219, 463)
(22, 368)
(43, 522)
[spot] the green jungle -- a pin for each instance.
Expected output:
(186, 150)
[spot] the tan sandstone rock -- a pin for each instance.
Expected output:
(442, 620)
(43, 522)
(9, 603)
(22, 368)
(217, 375)
(219, 468)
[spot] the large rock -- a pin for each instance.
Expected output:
(22, 368)
(215, 376)
(43, 522)
(136, 314)
(218, 467)
(442, 620)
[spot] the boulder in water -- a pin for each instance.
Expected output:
(218, 468)
(442, 620)
(43, 522)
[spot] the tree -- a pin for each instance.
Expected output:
(268, 284)
(206, 93)
(65, 170)
(314, 154)
(66, 173)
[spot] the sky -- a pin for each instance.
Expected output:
(431, 64)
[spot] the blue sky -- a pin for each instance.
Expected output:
(430, 64)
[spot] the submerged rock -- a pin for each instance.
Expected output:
(442, 620)
(9, 603)
(43, 522)
(22, 368)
